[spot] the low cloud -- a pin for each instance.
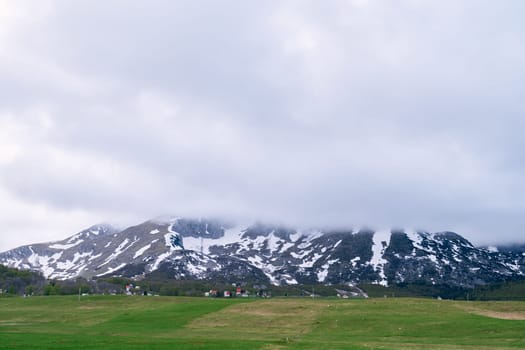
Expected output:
(335, 114)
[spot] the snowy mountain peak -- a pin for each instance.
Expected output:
(102, 229)
(213, 249)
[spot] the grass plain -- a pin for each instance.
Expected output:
(123, 322)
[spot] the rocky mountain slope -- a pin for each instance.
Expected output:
(214, 250)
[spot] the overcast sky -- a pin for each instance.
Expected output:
(312, 113)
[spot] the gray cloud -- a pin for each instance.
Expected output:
(310, 113)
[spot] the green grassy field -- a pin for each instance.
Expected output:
(118, 322)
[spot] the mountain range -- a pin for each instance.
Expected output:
(209, 249)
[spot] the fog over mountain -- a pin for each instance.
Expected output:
(335, 113)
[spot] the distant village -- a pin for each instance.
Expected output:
(236, 291)
(240, 292)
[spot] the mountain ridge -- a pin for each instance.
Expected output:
(211, 249)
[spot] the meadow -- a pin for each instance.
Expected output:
(133, 322)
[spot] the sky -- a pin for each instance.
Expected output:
(343, 113)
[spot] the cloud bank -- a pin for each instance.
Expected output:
(338, 113)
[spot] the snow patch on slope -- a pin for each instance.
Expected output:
(160, 259)
(230, 236)
(381, 241)
(112, 269)
(311, 261)
(323, 272)
(141, 251)
(493, 249)
(65, 246)
(120, 249)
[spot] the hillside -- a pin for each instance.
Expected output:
(204, 249)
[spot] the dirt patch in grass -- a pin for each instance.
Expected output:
(273, 347)
(10, 324)
(89, 307)
(265, 319)
(418, 346)
(517, 316)
(500, 310)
